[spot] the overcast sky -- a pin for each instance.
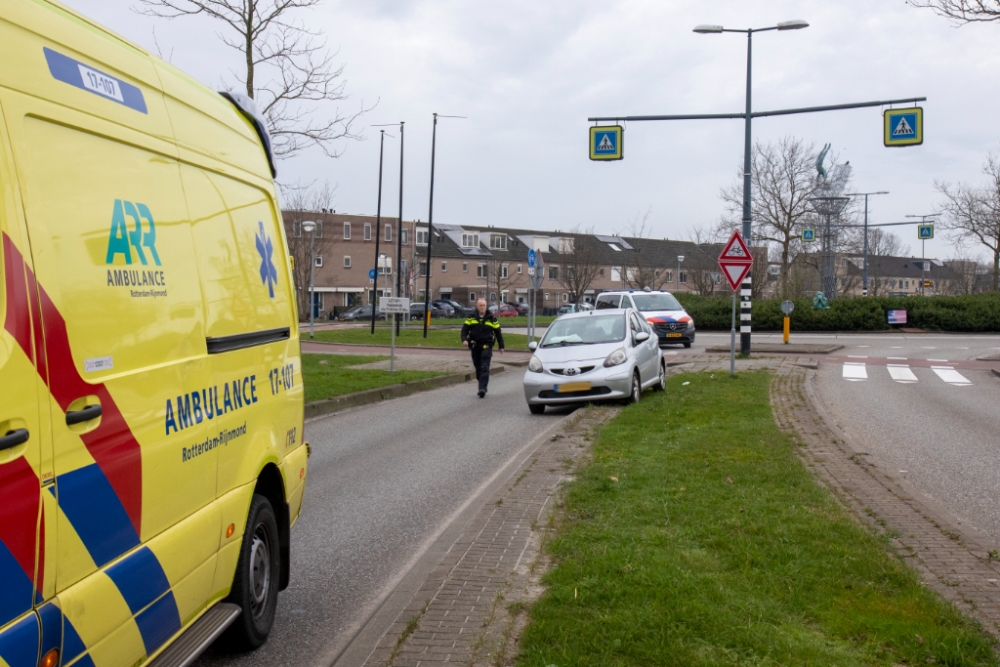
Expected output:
(528, 74)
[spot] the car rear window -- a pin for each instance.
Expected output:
(606, 301)
(647, 302)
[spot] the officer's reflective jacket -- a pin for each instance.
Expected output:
(482, 329)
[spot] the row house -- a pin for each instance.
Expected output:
(472, 262)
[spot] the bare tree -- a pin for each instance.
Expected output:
(583, 265)
(972, 213)
(498, 276)
(881, 244)
(286, 68)
(782, 181)
(302, 204)
(639, 271)
(963, 11)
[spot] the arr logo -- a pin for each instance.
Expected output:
(125, 241)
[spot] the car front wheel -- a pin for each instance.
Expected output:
(661, 382)
(536, 409)
(636, 393)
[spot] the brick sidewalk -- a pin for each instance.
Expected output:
(469, 609)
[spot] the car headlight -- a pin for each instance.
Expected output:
(616, 358)
(535, 364)
(690, 325)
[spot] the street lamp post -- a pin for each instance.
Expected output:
(864, 279)
(310, 227)
(399, 223)
(430, 226)
(923, 249)
(680, 258)
(745, 304)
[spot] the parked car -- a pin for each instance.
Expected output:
(575, 308)
(521, 309)
(417, 310)
(460, 310)
(361, 313)
(445, 307)
(660, 309)
(503, 310)
(594, 356)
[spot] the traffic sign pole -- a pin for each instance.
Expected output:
(736, 262)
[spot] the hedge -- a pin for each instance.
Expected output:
(970, 313)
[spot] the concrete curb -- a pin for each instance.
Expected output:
(767, 348)
(404, 347)
(995, 372)
(337, 403)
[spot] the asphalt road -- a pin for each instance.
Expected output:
(926, 412)
(383, 481)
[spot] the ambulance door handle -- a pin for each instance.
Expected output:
(14, 438)
(79, 416)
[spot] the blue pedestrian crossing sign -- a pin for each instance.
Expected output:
(531, 258)
(904, 127)
(606, 142)
(808, 234)
(925, 232)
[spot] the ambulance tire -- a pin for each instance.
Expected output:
(255, 585)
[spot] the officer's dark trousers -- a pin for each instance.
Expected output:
(481, 355)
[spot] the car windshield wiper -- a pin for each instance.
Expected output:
(566, 342)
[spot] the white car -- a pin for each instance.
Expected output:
(594, 356)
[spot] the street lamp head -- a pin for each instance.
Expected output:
(680, 258)
(308, 226)
(795, 24)
(705, 29)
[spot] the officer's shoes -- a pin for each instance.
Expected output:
(482, 392)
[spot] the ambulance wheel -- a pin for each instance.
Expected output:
(255, 586)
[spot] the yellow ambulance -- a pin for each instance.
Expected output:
(151, 402)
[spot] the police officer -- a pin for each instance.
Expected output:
(478, 334)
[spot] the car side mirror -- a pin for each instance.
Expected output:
(532, 346)
(641, 337)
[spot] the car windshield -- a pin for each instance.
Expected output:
(585, 331)
(647, 302)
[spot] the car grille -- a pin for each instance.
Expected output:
(562, 371)
(670, 327)
(594, 391)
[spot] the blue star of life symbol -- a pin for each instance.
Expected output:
(268, 272)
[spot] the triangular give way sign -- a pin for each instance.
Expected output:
(735, 260)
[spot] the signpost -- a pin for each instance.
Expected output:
(924, 232)
(536, 271)
(787, 307)
(735, 261)
(904, 127)
(606, 142)
(393, 305)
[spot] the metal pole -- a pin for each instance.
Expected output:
(430, 232)
(864, 280)
(312, 280)
(732, 340)
(378, 222)
(399, 226)
(745, 288)
(923, 264)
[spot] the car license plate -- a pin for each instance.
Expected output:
(673, 335)
(572, 386)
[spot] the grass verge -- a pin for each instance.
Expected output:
(333, 378)
(411, 336)
(695, 536)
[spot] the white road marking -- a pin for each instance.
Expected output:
(901, 373)
(855, 372)
(896, 347)
(864, 345)
(928, 348)
(950, 375)
(897, 358)
(857, 356)
(961, 348)
(944, 360)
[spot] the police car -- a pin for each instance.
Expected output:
(662, 310)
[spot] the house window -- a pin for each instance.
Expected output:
(683, 277)
(566, 246)
(297, 229)
(601, 272)
(616, 274)
(498, 241)
(546, 296)
(421, 237)
(465, 267)
(569, 273)
(668, 276)
(565, 297)
(347, 261)
(444, 266)
(388, 232)
(319, 261)
(553, 273)
(368, 232)
(470, 240)
(504, 271)
(404, 237)
(518, 269)
(423, 269)
(347, 231)
(481, 271)
(505, 296)
(472, 297)
(319, 230)
(493, 297)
